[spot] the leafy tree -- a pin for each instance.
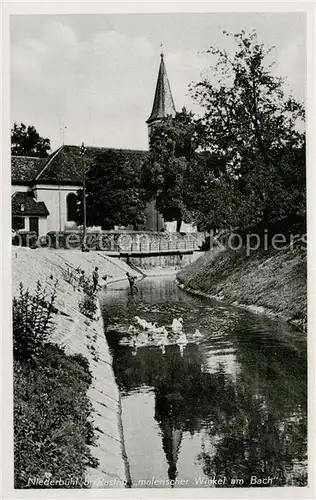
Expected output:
(113, 192)
(252, 129)
(211, 195)
(26, 141)
(167, 170)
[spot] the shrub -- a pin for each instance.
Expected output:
(52, 427)
(88, 306)
(32, 320)
(70, 275)
(83, 362)
(73, 277)
(88, 286)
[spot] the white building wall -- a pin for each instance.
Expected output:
(19, 188)
(42, 226)
(49, 195)
(171, 227)
(55, 199)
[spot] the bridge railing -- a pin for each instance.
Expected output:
(112, 241)
(160, 245)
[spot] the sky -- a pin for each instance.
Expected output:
(96, 74)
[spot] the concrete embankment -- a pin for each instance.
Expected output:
(271, 283)
(78, 334)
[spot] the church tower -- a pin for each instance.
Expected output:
(163, 101)
(163, 106)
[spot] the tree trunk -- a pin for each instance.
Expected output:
(179, 222)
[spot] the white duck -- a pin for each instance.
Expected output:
(153, 328)
(142, 338)
(132, 330)
(125, 341)
(146, 325)
(177, 325)
(197, 334)
(142, 322)
(162, 330)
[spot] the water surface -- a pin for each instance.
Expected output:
(230, 410)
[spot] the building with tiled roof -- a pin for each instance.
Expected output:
(65, 165)
(52, 183)
(25, 204)
(27, 212)
(24, 169)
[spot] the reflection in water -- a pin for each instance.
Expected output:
(232, 406)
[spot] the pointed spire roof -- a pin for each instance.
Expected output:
(163, 101)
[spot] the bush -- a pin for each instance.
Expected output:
(88, 306)
(88, 287)
(83, 362)
(52, 427)
(32, 320)
(74, 278)
(70, 276)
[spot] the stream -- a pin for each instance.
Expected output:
(228, 410)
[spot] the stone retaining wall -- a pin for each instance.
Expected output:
(164, 261)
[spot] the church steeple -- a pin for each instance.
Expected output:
(163, 102)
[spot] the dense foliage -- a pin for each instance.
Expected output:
(253, 129)
(32, 321)
(88, 306)
(167, 172)
(51, 420)
(26, 141)
(242, 164)
(52, 426)
(114, 195)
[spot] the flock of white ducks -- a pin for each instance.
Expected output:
(159, 335)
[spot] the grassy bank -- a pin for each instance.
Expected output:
(274, 280)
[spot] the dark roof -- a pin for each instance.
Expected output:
(65, 164)
(24, 168)
(163, 101)
(31, 206)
